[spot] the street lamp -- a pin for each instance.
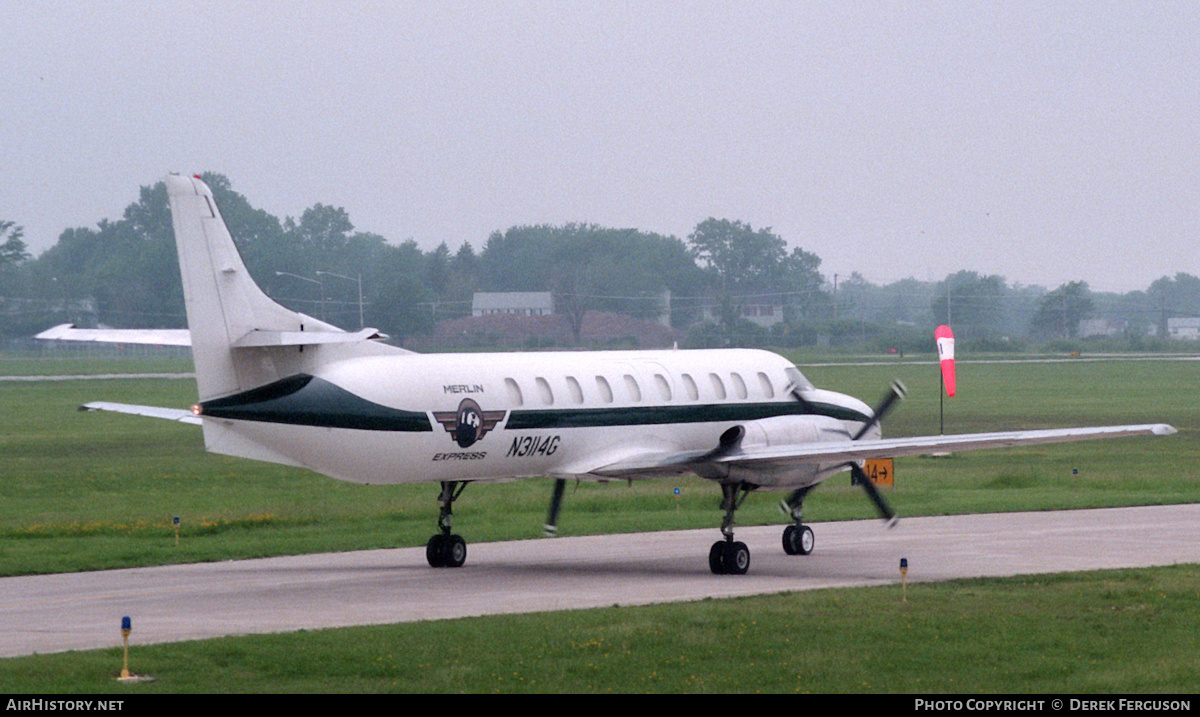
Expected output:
(311, 281)
(361, 322)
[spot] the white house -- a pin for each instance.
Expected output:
(1187, 329)
(529, 303)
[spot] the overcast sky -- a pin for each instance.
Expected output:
(1042, 141)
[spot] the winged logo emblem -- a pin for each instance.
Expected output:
(469, 423)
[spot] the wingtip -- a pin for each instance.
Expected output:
(1163, 429)
(54, 332)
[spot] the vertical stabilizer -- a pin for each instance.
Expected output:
(224, 305)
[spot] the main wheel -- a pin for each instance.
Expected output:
(446, 551)
(716, 558)
(737, 558)
(435, 551)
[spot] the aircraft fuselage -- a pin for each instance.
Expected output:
(414, 418)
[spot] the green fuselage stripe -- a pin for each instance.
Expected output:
(658, 415)
(303, 400)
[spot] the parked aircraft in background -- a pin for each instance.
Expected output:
(279, 386)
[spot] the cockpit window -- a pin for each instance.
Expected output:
(796, 380)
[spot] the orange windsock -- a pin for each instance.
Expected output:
(945, 347)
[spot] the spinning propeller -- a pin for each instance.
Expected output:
(896, 393)
(551, 527)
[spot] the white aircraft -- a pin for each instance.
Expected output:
(280, 386)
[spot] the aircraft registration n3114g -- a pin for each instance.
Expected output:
(277, 385)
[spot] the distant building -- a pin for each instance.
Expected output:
(1101, 327)
(539, 303)
(1186, 329)
(764, 310)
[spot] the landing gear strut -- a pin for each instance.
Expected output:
(797, 538)
(730, 557)
(445, 550)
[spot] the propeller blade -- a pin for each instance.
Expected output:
(788, 506)
(885, 510)
(804, 404)
(896, 393)
(551, 527)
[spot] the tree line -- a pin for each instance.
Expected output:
(124, 273)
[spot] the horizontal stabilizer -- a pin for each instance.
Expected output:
(170, 414)
(153, 337)
(259, 339)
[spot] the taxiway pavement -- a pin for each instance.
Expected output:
(76, 611)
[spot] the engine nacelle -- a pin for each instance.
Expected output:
(782, 431)
(790, 430)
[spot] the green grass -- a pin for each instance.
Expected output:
(90, 491)
(74, 363)
(1076, 633)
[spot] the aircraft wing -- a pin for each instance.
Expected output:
(847, 451)
(183, 337)
(171, 414)
(154, 337)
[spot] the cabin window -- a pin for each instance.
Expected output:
(664, 388)
(544, 392)
(631, 385)
(575, 389)
(767, 389)
(606, 393)
(514, 392)
(689, 386)
(739, 386)
(718, 386)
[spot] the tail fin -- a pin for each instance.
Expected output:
(241, 338)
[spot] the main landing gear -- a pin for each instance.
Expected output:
(445, 550)
(730, 557)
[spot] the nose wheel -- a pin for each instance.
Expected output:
(798, 540)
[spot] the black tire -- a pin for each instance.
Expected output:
(790, 545)
(716, 558)
(737, 558)
(435, 551)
